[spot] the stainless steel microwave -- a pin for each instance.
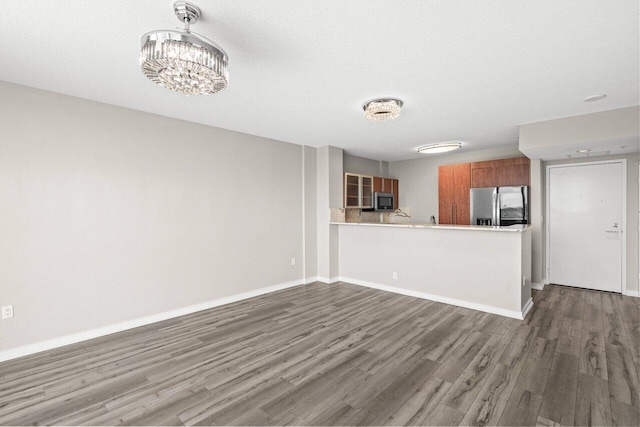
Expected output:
(383, 201)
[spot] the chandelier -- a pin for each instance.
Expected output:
(382, 109)
(184, 61)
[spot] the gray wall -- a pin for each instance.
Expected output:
(110, 214)
(418, 178)
(362, 166)
(310, 214)
(329, 191)
(537, 212)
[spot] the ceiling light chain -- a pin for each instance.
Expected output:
(184, 61)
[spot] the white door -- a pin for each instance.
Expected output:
(585, 206)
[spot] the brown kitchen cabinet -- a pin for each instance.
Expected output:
(387, 185)
(454, 183)
(500, 173)
(358, 191)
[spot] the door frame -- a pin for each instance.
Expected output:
(623, 240)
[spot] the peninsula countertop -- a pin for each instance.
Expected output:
(518, 228)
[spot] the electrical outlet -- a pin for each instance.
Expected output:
(293, 261)
(7, 311)
(524, 281)
(395, 275)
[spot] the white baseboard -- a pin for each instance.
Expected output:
(452, 301)
(631, 293)
(538, 286)
(328, 280)
(526, 308)
(134, 323)
(312, 279)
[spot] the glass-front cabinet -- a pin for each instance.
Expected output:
(366, 183)
(351, 191)
(358, 191)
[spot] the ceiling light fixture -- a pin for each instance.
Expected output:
(594, 98)
(382, 109)
(184, 61)
(584, 151)
(440, 148)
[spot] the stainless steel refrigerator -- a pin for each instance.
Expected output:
(500, 206)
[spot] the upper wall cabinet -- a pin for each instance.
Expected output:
(500, 173)
(387, 185)
(358, 191)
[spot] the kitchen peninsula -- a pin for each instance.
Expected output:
(479, 267)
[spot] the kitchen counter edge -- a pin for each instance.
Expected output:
(512, 229)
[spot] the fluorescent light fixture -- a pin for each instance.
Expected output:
(442, 147)
(594, 98)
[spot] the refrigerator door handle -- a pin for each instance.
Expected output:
(495, 201)
(525, 203)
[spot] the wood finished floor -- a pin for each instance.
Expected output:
(345, 355)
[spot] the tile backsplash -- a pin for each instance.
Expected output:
(398, 216)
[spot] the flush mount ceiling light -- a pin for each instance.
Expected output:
(382, 109)
(594, 98)
(440, 148)
(584, 151)
(184, 61)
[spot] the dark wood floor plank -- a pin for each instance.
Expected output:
(333, 394)
(593, 360)
(488, 406)
(287, 404)
(559, 299)
(167, 414)
(443, 415)
(451, 369)
(631, 320)
(343, 355)
(550, 324)
(385, 404)
(465, 389)
(575, 304)
(533, 377)
(421, 404)
(521, 409)
(593, 406)
(559, 399)
(376, 382)
(332, 415)
(624, 415)
(570, 337)
(621, 369)
(592, 317)
(622, 376)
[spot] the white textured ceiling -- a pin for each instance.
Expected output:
(300, 70)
